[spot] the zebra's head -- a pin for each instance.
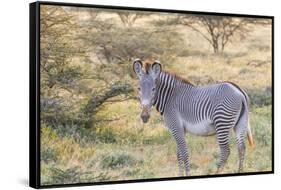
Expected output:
(148, 78)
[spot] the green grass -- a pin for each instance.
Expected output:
(152, 156)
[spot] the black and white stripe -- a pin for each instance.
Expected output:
(209, 110)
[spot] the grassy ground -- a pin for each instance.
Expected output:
(137, 152)
(127, 149)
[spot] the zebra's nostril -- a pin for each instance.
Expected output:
(145, 118)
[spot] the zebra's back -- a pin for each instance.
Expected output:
(198, 108)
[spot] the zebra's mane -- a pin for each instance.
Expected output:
(147, 66)
(178, 77)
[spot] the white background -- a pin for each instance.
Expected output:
(14, 73)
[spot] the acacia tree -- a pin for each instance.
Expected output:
(218, 31)
(129, 18)
(64, 100)
(59, 77)
(58, 48)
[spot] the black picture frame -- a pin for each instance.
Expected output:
(34, 92)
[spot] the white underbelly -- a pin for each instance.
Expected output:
(203, 128)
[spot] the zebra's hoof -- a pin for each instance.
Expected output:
(219, 171)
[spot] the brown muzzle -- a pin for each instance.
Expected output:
(145, 114)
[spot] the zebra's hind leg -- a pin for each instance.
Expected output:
(240, 131)
(241, 152)
(223, 141)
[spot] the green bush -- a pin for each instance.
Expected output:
(261, 124)
(260, 97)
(73, 175)
(48, 154)
(118, 160)
(80, 134)
(105, 135)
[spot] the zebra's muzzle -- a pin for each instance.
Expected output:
(145, 114)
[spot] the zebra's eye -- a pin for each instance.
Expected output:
(139, 89)
(153, 89)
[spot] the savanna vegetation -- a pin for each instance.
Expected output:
(90, 125)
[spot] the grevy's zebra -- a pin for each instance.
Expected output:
(208, 110)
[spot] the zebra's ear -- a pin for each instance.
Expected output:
(156, 69)
(137, 67)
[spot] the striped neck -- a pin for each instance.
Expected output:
(167, 84)
(165, 87)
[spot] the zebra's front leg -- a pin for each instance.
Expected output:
(182, 155)
(180, 163)
(178, 132)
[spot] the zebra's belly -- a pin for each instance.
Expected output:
(203, 128)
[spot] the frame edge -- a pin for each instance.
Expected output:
(34, 94)
(34, 151)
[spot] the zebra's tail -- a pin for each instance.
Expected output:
(249, 132)
(249, 135)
